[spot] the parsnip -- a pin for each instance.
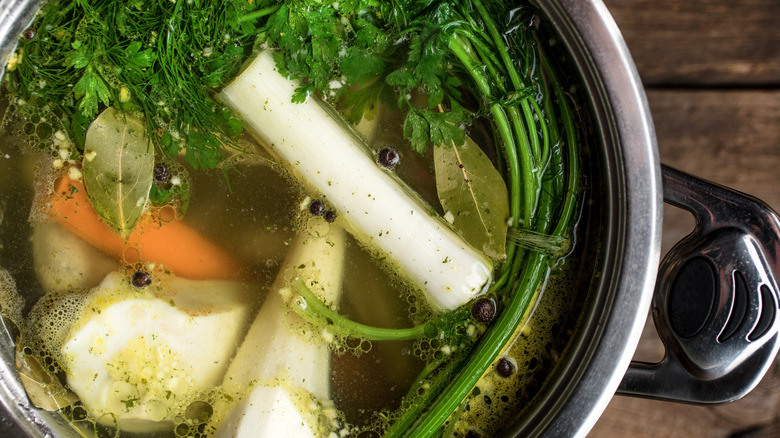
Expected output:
(65, 262)
(374, 205)
(288, 370)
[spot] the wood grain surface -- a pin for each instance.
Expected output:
(702, 42)
(711, 69)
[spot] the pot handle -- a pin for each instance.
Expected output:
(716, 305)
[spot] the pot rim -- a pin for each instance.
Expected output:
(616, 317)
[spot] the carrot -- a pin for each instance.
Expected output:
(173, 244)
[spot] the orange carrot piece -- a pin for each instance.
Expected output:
(173, 244)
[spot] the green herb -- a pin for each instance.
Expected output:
(160, 58)
(117, 168)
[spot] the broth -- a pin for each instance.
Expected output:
(256, 211)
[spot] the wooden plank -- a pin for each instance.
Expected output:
(702, 42)
(732, 138)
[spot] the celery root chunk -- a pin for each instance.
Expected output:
(138, 357)
(375, 206)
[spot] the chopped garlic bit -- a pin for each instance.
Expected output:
(14, 60)
(449, 217)
(285, 292)
(62, 142)
(178, 385)
(305, 203)
(74, 173)
(89, 156)
(124, 94)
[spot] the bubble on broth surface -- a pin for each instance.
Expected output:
(52, 317)
(11, 303)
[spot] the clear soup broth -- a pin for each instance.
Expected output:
(159, 336)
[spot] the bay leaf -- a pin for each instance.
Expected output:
(117, 167)
(43, 389)
(473, 191)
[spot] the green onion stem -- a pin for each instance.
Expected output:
(423, 393)
(462, 50)
(486, 352)
(545, 155)
(258, 14)
(309, 307)
(536, 269)
(498, 41)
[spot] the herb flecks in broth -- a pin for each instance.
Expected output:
(441, 66)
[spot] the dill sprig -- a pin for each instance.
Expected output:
(160, 58)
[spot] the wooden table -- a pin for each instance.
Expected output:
(712, 73)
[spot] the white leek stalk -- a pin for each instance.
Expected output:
(375, 206)
(288, 371)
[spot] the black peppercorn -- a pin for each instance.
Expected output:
(161, 173)
(388, 158)
(317, 208)
(483, 310)
(29, 33)
(505, 367)
(330, 215)
(141, 279)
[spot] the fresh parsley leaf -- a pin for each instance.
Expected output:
(423, 128)
(91, 90)
(361, 65)
(417, 130)
(362, 100)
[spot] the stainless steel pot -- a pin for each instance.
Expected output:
(715, 302)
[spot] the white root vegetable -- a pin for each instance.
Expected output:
(138, 357)
(288, 372)
(375, 206)
(63, 261)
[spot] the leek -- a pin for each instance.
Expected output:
(375, 206)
